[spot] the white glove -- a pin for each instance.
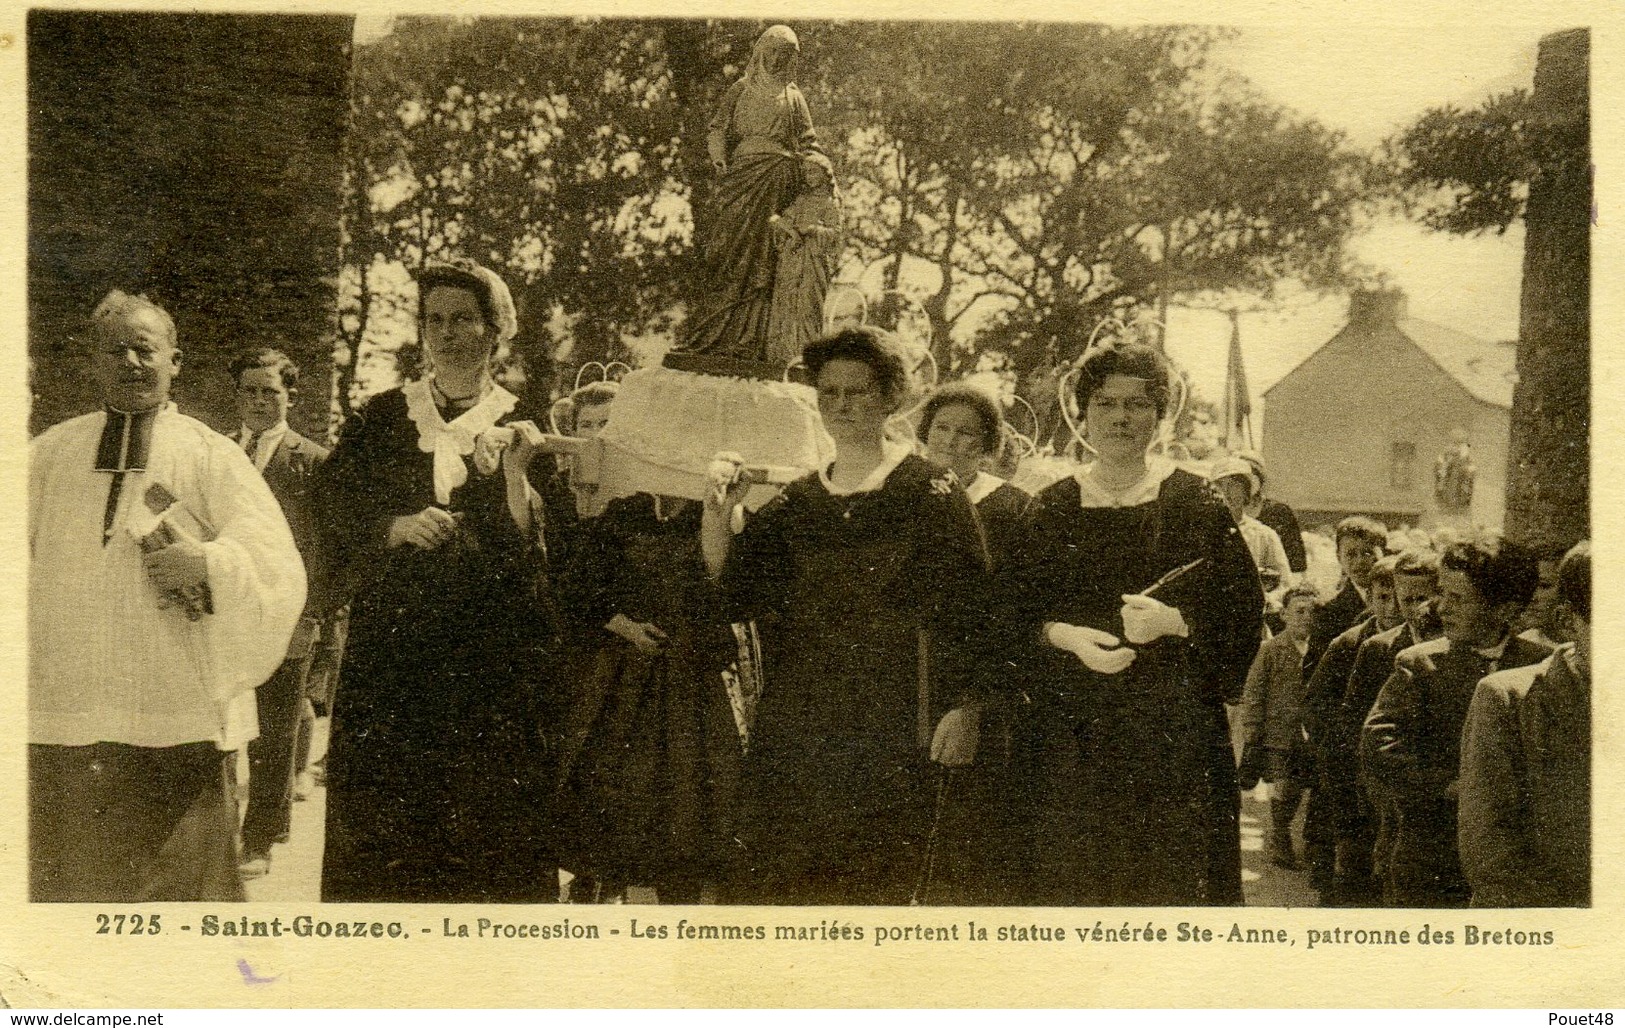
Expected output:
(489, 446)
(1092, 646)
(723, 480)
(1146, 620)
(957, 735)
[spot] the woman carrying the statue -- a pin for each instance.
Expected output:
(869, 578)
(1136, 613)
(436, 763)
(757, 139)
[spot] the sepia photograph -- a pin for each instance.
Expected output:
(924, 490)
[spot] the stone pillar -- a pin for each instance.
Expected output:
(198, 159)
(1548, 473)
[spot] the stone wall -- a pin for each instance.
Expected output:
(1548, 470)
(198, 159)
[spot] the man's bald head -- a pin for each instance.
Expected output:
(133, 358)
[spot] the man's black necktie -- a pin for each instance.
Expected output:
(124, 447)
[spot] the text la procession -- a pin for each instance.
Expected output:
(308, 926)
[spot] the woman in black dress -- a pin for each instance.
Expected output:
(650, 754)
(964, 430)
(867, 578)
(1132, 796)
(436, 763)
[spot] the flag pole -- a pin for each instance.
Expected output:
(1238, 404)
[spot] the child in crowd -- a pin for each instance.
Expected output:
(1238, 483)
(1336, 743)
(1543, 619)
(1359, 542)
(1365, 836)
(1525, 829)
(1411, 747)
(808, 237)
(1272, 717)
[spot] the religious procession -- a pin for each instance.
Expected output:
(847, 589)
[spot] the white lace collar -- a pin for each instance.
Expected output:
(1093, 494)
(982, 486)
(892, 453)
(451, 441)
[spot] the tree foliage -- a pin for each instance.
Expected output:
(1060, 172)
(1020, 180)
(1467, 171)
(1525, 156)
(552, 150)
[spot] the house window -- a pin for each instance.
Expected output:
(1402, 466)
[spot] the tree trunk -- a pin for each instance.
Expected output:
(888, 311)
(356, 249)
(697, 84)
(346, 356)
(1548, 474)
(936, 305)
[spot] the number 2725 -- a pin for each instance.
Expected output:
(128, 924)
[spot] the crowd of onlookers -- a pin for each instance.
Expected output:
(1436, 713)
(902, 680)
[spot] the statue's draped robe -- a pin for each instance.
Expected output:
(762, 131)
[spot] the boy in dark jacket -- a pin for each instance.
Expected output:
(1526, 768)
(1272, 717)
(1360, 542)
(1337, 744)
(1411, 747)
(1365, 831)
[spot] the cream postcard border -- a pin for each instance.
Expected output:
(51, 957)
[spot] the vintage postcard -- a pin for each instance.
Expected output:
(645, 505)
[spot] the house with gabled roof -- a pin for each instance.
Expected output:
(1359, 425)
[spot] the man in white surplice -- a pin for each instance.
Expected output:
(163, 583)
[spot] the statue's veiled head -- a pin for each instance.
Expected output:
(775, 52)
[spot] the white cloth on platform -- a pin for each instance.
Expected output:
(106, 663)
